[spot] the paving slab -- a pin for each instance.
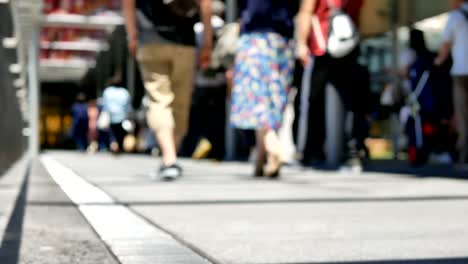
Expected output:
(116, 225)
(45, 227)
(305, 217)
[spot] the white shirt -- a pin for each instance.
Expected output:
(116, 101)
(456, 32)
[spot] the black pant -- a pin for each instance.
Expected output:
(345, 75)
(207, 120)
(118, 134)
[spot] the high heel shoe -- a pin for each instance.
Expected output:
(258, 172)
(259, 166)
(273, 167)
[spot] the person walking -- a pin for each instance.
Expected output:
(93, 114)
(116, 103)
(263, 74)
(79, 113)
(455, 39)
(161, 36)
(313, 47)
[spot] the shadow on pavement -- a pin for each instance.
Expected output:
(11, 241)
(429, 170)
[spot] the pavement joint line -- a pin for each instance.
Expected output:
(117, 224)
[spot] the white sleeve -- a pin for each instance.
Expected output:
(407, 58)
(105, 103)
(449, 31)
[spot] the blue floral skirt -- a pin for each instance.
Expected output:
(263, 73)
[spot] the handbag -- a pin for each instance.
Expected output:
(225, 48)
(104, 121)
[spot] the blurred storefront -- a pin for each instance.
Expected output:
(82, 43)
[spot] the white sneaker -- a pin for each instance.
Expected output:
(170, 173)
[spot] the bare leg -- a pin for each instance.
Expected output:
(261, 152)
(166, 141)
(272, 145)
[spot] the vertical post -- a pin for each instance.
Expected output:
(231, 16)
(231, 10)
(394, 22)
(34, 94)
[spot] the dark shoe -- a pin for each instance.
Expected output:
(170, 173)
(273, 174)
(259, 166)
(259, 172)
(313, 161)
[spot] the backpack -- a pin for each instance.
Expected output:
(343, 35)
(173, 20)
(181, 9)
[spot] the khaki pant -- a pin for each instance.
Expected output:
(168, 76)
(460, 95)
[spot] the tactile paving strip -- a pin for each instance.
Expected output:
(130, 238)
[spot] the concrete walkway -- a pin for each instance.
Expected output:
(217, 213)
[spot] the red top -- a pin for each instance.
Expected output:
(322, 12)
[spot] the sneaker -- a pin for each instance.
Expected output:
(203, 149)
(352, 166)
(170, 173)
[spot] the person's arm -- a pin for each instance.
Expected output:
(205, 53)
(129, 12)
(447, 39)
(444, 53)
(304, 28)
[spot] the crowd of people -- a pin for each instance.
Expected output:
(275, 41)
(102, 124)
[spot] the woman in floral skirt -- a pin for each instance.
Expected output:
(263, 74)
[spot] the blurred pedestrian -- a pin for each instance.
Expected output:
(314, 46)
(455, 39)
(161, 35)
(93, 114)
(116, 103)
(79, 112)
(103, 126)
(421, 99)
(206, 136)
(263, 74)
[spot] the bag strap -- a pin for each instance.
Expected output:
(421, 83)
(318, 33)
